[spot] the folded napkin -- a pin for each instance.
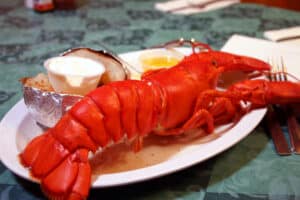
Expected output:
(185, 7)
(288, 35)
(268, 51)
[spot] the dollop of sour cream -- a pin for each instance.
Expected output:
(74, 75)
(75, 66)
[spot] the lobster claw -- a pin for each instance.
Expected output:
(231, 62)
(263, 92)
(283, 92)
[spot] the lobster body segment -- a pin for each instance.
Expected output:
(165, 102)
(175, 88)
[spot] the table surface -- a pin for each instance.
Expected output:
(249, 170)
(287, 4)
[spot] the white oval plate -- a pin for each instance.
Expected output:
(17, 129)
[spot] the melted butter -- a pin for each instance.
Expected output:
(159, 58)
(156, 149)
(159, 62)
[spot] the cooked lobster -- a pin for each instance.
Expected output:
(165, 102)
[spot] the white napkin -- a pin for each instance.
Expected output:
(287, 35)
(266, 50)
(185, 7)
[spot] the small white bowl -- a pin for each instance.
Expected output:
(73, 75)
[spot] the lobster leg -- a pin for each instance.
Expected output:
(200, 118)
(209, 111)
(224, 110)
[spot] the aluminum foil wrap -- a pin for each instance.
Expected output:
(45, 107)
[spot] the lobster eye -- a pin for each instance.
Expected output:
(214, 63)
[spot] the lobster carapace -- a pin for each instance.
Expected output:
(165, 102)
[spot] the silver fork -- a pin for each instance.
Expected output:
(273, 124)
(278, 138)
(279, 74)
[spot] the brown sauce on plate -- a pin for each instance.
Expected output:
(156, 149)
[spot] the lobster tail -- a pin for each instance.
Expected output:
(89, 115)
(74, 176)
(72, 134)
(63, 175)
(130, 108)
(36, 155)
(108, 103)
(106, 115)
(129, 101)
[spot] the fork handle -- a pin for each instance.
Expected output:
(279, 140)
(294, 132)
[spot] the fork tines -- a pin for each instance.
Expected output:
(279, 73)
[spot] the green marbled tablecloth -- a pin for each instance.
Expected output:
(249, 170)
